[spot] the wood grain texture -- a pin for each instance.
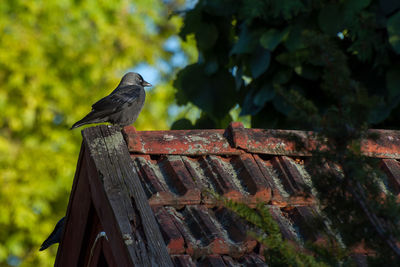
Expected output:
(120, 182)
(72, 242)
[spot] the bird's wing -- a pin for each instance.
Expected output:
(118, 99)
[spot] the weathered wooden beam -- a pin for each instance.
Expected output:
(106, 216)
(120, 182)
(70, 248)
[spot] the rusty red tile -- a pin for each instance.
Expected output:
(205, 228)
(382, 144)
(216, 170)
(274, 142)
(192, 230)
(295, 179)
(361, 249)
(157, 190)
(392, 169)
(360, 260)
(304, 218)
(172, 236)
(289, 185)
(285, 225)
(192, 246)
(253, 259)
(179, 142)
(182, 261)
(236, 140)
(279, 196)
(212, 260)
(199, 178)
(229, 261)
(252, 178)
(180, 180)
(238, 133)
(237, 231)
(178, 168)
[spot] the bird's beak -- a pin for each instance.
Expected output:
(146, 84)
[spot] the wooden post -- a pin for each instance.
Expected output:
(111, 173)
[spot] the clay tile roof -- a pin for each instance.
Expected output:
(176, 168)
(248, 165)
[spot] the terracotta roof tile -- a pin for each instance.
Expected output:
(177, 168)
(182, 261)
(236, 140)
(392, 169)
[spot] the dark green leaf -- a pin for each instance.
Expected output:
(191, 22)
(294, 59)
(308, 72)
(246, 42)
(259, 62)
(272, 38)
(330, 19)
(393, 27)
(205, 122)
(182, 124)
(255, 101)
(238, 77)
(211, 67)
(206, 33)
(383, 110)
(214, 94)
(252, 9)
(282, 105)
(354, 6)
(220, 7)
(206, 36)
(265, 94)
(388, 6)
(248, 106)
(268, 118)
(393, 82)
(282, 76)
(294, 39)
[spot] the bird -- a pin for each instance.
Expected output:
(55, 236)
(122, 106)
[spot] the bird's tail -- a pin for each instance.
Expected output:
(47, 243)
(55, 236)
(89, 118)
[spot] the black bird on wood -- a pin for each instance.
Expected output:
(122, 106)
(55, 236)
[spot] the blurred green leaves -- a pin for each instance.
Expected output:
(56, 59)
(272, 38)
(394, 31)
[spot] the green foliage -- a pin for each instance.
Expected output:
(394, 31)
(266, 231)
(283, 45)
(56, 59)
(201, 91)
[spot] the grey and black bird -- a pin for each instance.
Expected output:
(122, 106)
(55, 236)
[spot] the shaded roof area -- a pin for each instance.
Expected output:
(177, 168)
(174, 170)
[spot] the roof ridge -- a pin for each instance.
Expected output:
(236, 140)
